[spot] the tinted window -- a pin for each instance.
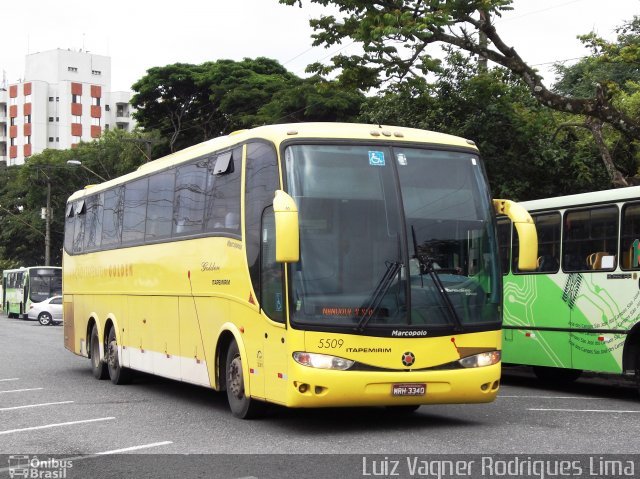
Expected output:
(78, 234)
(93, 222)
(261, 182)
(160, 205)
(504, 243)
(112, 217)
(189, 198)
(223, 192)
(135, 211)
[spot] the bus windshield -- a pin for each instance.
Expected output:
(392, 237)
(44, 283)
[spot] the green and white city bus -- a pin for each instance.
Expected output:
(580, 309)
(23, 286)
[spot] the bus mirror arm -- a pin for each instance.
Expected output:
(287, 229)
(526, 229)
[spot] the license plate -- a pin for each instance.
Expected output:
(408, 389)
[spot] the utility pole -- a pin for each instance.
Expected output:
(47, 222)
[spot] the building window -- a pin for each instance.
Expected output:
(12, 121)
(76, 99)
(57, 139)
(50, 98)
(13, 101)
(27, 98)
(106, 107)
(76, 139)
(72, 69)
(27, 140)
(95, 121)
(57, 98)
(76, 119)
(57, 118)
(96, 72)
(50, 119)
(95, 101)
(27, 118)
(13, 142)
(50, 139)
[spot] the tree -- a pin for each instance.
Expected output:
(23, 193)
(395, 36)
(514, 132)
(192, 103)
(173, 100)
(609, 66)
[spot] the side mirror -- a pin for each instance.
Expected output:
(526, 229)
(287, 228)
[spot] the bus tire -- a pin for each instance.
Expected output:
(118, 374)
(556, 376)
(241, 406)
(98, 366)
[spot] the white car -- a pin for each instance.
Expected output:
(48, 311)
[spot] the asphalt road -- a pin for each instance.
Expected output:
(50, 405)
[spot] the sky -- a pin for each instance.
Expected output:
(138, 35)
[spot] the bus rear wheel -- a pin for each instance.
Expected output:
(556, 376)
(117, 373)
(98, 366)
(241, 406)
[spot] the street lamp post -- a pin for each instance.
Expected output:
(79, 163)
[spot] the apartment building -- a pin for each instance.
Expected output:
(64, 98)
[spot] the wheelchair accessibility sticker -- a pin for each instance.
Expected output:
(376, 158)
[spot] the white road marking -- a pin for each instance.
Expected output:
(9, 379)
(548, 397)
(34, 405)
(47, 426)
(134, 448)
(618, 411)
(21, 390)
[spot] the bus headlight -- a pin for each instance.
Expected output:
(322, 361)
(480, 360)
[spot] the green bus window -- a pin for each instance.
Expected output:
(630, 237)
(548, 226)
(590, 239)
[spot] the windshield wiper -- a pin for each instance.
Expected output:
(393, 267)
(426, 263)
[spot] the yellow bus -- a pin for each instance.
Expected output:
(306, 265)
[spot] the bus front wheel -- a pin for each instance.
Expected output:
(98, 366)
(117, 373)
(241, 406)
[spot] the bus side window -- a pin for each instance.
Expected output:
(630, 237)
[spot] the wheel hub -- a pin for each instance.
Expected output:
(235, 382)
